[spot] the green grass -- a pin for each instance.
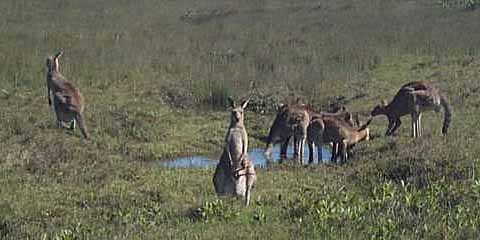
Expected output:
(156, 74)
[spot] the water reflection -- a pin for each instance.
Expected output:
(190, 162)
(256, 155)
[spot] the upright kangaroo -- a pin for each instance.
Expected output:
(291, 120)
(414, 98)
(66, 98)
(235, 173)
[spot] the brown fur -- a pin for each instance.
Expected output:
(235, 173)
(414, 98)
(291, 120)
(315, 131)
(66, 99)
(341, 133)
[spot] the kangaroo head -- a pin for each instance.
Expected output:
(237, 111)
(379, 109)
(348, 118)
(281, 107)
(52, 63)
(336, 108)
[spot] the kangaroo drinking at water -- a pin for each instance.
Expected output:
(235, 173)
(316, 128)
(339, 132)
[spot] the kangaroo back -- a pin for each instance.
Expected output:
(447, 114)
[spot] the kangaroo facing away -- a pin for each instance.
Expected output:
(235, 173)
(340, 133)
(414, 98)
(291, 120)
(66, 98)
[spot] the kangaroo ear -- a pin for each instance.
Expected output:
(58, 55)
(56, 65)
(245, 103)
(231, 102)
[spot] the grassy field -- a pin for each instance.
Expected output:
(156, 74)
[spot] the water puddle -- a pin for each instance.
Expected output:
(190, 162)
(256, 155)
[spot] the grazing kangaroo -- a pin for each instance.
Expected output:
(66, 98)
(315, 131)
(414, 98)
(235, 173)
(339, 132)
(291, 120)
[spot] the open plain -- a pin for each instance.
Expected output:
(156, 76)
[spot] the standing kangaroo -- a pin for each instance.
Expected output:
(66, 98)
(235, 173)
(414, 98)
(291, 120)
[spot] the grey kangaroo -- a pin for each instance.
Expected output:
(66, 98)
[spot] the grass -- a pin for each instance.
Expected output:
(155, 75)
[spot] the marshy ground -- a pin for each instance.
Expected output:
(156, 75)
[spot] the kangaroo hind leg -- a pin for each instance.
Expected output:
(419, 125)
(72, 125)
(414, 125)
(247, 191)
(81, 124)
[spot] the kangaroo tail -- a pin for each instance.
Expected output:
(81, 125)
(447, 114)
(247, 189)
